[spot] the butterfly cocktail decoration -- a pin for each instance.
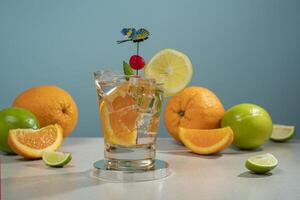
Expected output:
(136, 61)
(131, 34)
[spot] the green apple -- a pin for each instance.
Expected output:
(13, 118)
(251, 125)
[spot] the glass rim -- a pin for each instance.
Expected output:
(99, 73)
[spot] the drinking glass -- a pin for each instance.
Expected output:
(129, 108)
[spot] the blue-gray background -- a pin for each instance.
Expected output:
(245, 51)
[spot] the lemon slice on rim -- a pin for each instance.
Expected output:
(172, 68)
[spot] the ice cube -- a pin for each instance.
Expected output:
(143, 122)
(118, 99)
(105, 76)
(105, 80)
(145, 135)
(153, 126)
(143, 90)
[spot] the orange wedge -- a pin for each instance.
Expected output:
(118, 129)
(31, 143)
(118, 117)
(208, 141)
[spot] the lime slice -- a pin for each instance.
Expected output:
(172, 68)
(282, 133)
(56, 159)
(261, 164)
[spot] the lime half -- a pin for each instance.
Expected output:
(282, 133)
(171, 68)
(261, 164)
(56, 159)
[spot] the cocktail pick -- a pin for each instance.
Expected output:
(131, 34)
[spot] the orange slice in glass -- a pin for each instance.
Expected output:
(118, 117)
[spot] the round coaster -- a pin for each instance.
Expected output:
(159, 171)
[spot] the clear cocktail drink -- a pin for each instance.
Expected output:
(129, 108)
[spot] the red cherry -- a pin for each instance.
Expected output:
(136, 62)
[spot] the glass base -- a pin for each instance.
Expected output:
(129, 165)
(137, 157)
(159, 170)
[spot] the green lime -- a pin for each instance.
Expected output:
(56, 159)
(251, 125)
(282, 133)
(14, 118)
(172, 68)
(261, 164)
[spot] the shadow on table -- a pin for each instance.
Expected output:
(36, 187)
(232, 150)
(177, 148)
(11, 158)
(40, 165)
(76, 141)
(164, 144)
(293, 141)
(249, 174)
(191, 154)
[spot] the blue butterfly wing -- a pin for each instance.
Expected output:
(124, 31)
(129, 32)
(141, 34)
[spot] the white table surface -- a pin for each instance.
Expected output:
(221, 176)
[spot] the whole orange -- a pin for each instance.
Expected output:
(194, 108)
(51, 105)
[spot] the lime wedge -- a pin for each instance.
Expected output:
(127, 69)
(282, 133)
(261, 164)
(56, 159)
(171, 68)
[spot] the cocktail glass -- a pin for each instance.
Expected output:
(129, 108)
